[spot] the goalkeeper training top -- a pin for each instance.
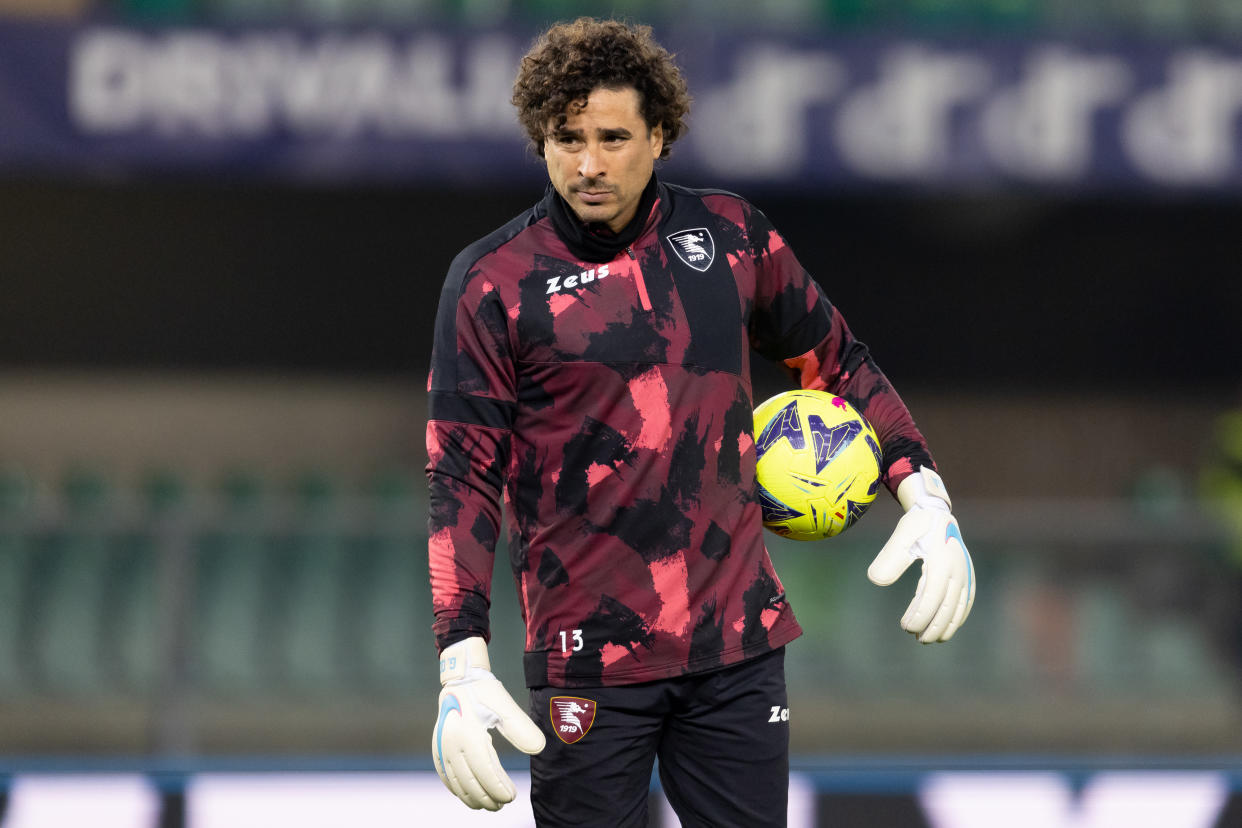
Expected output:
(601, 387)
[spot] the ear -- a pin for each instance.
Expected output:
(656, 137)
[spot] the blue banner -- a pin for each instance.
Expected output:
(796, 112)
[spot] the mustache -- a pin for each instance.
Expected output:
(592, 184)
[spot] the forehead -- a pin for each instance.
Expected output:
(604, 108)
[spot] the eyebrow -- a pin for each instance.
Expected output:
(610, 132)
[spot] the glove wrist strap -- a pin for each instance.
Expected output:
(923, 488)
(464, 657)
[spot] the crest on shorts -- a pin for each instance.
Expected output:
(694, 247)
(572, 717)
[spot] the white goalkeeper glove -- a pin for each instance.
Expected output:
(472, 701)
(928, 531)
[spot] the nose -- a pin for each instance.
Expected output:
(591, 163)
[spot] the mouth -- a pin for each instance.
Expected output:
(593, 196)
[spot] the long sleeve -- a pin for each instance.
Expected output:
(471, 398)
(794, 322)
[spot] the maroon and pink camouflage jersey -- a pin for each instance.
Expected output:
(609, 405)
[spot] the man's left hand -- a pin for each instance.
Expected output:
(928, 532)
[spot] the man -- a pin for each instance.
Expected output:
(593, 365)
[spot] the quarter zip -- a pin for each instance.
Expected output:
(643, 298)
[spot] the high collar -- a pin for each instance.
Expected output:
(596, 242)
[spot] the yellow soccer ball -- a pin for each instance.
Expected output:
(818, 464)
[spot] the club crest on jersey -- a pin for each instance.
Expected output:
(572, 717)
(694, 247)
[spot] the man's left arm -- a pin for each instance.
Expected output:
(927, 531)
(792, 313)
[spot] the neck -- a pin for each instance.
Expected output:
(599, 242)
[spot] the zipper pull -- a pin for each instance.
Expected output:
(643, 298)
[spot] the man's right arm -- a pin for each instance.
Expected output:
(471, 402)
(462, 525)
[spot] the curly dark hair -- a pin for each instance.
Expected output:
(571, 60)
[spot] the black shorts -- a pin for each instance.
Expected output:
(722, 739)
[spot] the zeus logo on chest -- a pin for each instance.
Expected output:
(556, 284)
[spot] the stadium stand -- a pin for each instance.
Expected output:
(308, 590)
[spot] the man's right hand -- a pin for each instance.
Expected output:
(472, 701)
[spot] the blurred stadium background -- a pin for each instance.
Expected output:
(223, 228)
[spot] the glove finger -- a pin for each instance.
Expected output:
(959, 615)
(964, 606)
(915, 602)
(956, 570)
(483, 777)
(463, 782)
(435, 749)
(974, 582)
(461, 751)
(892, 561)
(928, 599)
(452, 779)
(954, 598)
(438, 749)
(511, 720)
(898, 553)
(451, 765)
(521, 732)
(889, 565)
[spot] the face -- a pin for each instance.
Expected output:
(602, 158)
